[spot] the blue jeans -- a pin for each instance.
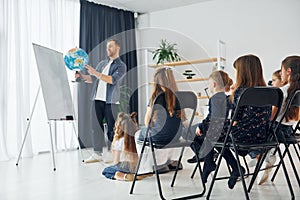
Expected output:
(109, 172)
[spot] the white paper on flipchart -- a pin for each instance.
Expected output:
(54, 83)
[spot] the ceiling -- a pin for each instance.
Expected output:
(145, 6)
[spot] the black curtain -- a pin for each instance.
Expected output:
(99, 23)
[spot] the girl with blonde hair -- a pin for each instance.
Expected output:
(276, 79)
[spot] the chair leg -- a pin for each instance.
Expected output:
(241, 174)
(201, 174)
(215, 174)
(278, 166)
(246, 165)
(297, 150)
(286, 174)
(194, 171)
(256, 170)
(156, 172)
(177, 167)
(137, 168)
(203, 185)
(293, 165)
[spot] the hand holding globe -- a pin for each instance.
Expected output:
(76, 59)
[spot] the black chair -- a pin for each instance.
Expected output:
(287, 142)
(297, 134)
(256, 97)
(187, 100)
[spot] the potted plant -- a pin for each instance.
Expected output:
(125, 94)
(167, 52)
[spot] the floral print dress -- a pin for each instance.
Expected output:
(253, 122)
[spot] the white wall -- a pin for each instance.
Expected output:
(267, 28)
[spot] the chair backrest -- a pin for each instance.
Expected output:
(294, 101)
(186, 99)
(260, 97)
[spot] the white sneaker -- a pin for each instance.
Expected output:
(93, 158)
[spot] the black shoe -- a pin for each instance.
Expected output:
(234, 177)
(173, 164)
(161, 169)
(206, 172)
(216, 154)
(194, 160)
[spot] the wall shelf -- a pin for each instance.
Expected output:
(188, 80)
(202, 97)
(191, 80)
(187, 62)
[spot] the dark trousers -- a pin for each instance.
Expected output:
(228, 156)
(109, 113)
(284, 132)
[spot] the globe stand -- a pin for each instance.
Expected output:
(78, 79)
(49, 122)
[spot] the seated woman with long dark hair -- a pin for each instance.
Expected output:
(166, 124)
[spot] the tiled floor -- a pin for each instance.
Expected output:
(34, 179)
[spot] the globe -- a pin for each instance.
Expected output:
(76, 59)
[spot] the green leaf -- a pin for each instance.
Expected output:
(167, 52)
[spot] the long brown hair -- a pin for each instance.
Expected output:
(292, 62)
(249, 72)
(126, 126)
(164, 81)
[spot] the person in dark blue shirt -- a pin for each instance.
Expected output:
(106, 79)
(167, 119)
(215, 124)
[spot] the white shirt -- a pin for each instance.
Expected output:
(284, 91)
(101, 89)
(119, 146)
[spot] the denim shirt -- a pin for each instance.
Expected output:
(117, 70)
